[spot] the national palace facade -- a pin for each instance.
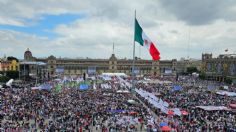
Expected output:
(52, 66)
(219, 68)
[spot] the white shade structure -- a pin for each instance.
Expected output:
(9, 83)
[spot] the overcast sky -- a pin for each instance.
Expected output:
(88, 28)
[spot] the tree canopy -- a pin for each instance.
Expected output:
(10, 58)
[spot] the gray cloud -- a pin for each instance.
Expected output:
(200, 12)
(166, 23)
(174, 31)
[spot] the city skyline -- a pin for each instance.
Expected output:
(88, 28)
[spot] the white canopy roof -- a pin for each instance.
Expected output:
(114, 74)
(9, 83)
(32, 63)
(221, 92)
(122, 91)
(210, 108)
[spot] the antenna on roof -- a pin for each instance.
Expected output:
(5, 57)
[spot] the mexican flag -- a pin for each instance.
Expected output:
(143, 40)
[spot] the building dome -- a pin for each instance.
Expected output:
(113, 57)
(28, 55)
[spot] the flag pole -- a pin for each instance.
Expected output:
(133, 55)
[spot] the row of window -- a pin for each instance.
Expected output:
(82, 68)
(129, 68)
(10, 68)
(98, 71)
(80, 62)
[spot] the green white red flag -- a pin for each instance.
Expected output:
(143, 40)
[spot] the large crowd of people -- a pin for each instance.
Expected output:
(105, 109)
(188, 98)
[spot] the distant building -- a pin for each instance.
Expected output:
(33, 68)
(220, 68)
(28, 56)
(5, 65)
(9, 65)
(65, 66)
(14, 65)
(183, 64)
(168, 67)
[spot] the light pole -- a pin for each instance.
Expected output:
(36, 81)
(19, 73)
(44, 74)
(24, 71)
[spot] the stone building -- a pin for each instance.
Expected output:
(219, 68)
(9, 65)
(183, 64)
(67, 66)
(30, 66)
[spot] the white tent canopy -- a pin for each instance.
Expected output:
(226, 87)
(32, 63)
(157, 81)
(210, 108)
(58, 79)
(221, 92)
(9, 83)
(114, 74)
(131, 101)
(122, 91)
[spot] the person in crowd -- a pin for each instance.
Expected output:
(106, 110)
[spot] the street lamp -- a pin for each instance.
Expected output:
(43, 70)
(36, 81)
(24, 72)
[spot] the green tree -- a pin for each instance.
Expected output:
(10, 58)
(4, 79)
(228, 80)
(190, 70)
(202, 76)
(12, 74)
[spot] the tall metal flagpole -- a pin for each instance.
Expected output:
(133, 54)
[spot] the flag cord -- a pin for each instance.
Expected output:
(133, 55)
